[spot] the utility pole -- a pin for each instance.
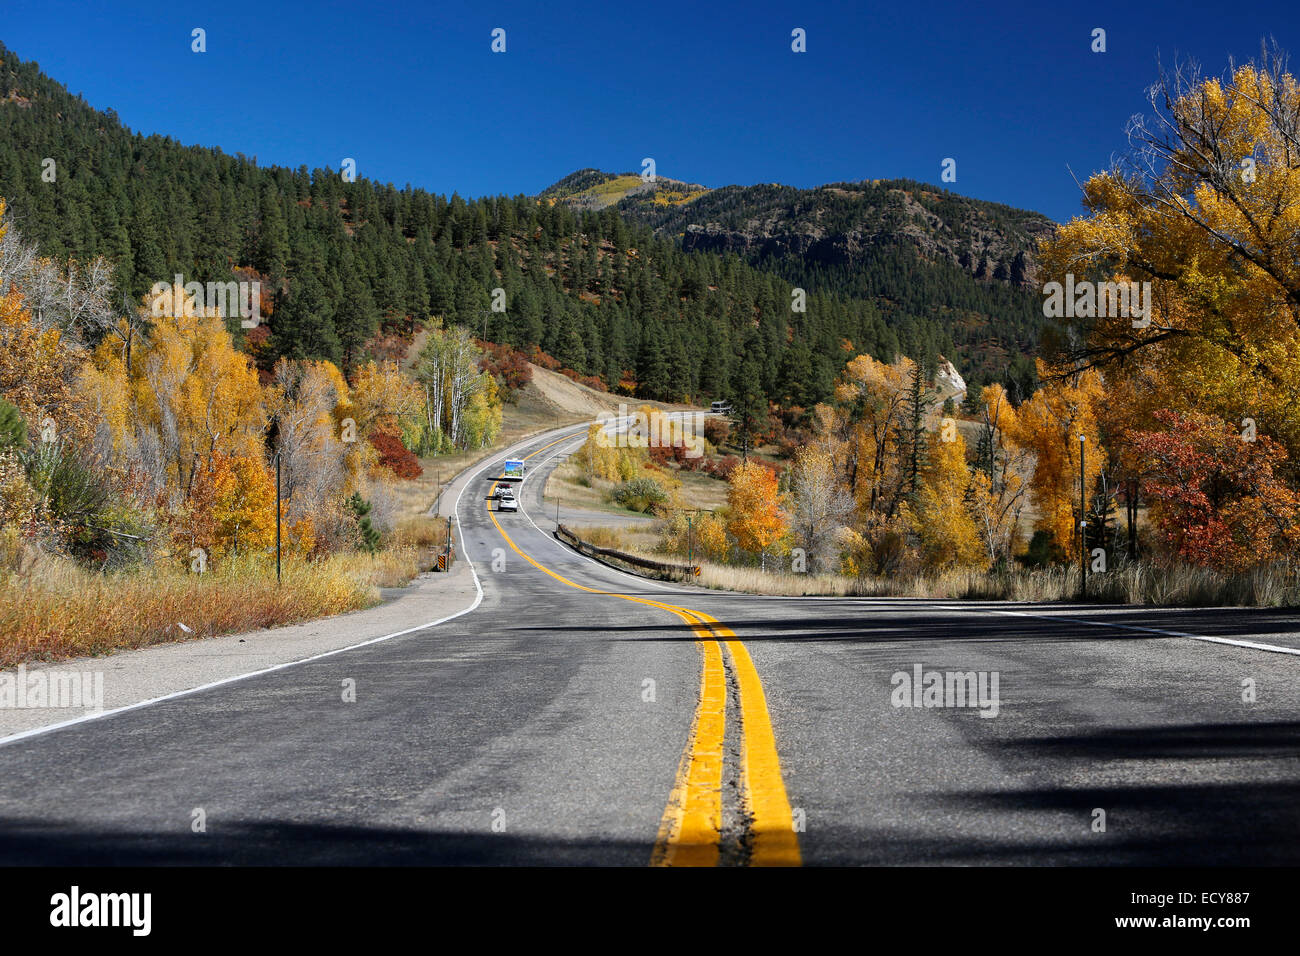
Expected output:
(1083, 523)
(277, 517)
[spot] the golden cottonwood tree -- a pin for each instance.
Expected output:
(240, 493)
(755, 518)
(998, 487)
(318, 467)
(604, 456)
(38, 375)
(870, 407)
(704, 536)
(1206, 209)
(188, 396)
(938, 512)
(383, 398)
(819, 505)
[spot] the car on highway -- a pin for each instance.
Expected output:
(506, 500)
(720, 408)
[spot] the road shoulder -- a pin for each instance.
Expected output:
(134, 676)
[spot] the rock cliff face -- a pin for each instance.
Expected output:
(948, 383)
(841, 225)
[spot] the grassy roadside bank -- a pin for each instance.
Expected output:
(1139, 585)
(57, 610)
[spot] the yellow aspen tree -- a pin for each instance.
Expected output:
(243, 504)
(755, 520)
(384, 398)
(38, 375)
(1206, 210)
(939, 515)
(197, 393)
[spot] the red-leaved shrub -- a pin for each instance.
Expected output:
(395, 456)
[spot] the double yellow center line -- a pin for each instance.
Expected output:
(690, 832)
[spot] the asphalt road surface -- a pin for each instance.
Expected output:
(580, 715)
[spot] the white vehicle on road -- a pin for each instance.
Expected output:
(506, 500)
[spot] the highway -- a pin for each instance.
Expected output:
(580, 715)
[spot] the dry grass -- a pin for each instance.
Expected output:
(1137, 584)
(416, 496)
(575, 490)
(756, 581)
(605, 538)
(1274, 586)
(57, 610)
(702, 491)
(420, 531)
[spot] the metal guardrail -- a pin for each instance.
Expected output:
(664, 568)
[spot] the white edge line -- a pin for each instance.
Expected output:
(1253, 645)
(99, 715)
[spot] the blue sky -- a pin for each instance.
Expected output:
(711, 91)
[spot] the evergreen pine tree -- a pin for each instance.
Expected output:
(914, 438)
(368, 536)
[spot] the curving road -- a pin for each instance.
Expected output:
(579, 715)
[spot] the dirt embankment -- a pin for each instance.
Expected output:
(551, 396)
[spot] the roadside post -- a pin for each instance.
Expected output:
(1083, 522)
(277, 517)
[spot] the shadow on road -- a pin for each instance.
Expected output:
(33, 842)
(852, 625)
(806, 620)
(1187, 819)
(1209, 824)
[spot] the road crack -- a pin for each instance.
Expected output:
(735, 843)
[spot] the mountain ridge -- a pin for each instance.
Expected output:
(593, 189)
